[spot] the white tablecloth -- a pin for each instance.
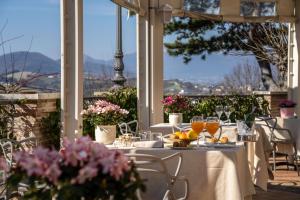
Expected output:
(213, 174)
(258, 152)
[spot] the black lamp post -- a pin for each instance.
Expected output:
(119, 79)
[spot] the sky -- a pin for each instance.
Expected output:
(40, 20)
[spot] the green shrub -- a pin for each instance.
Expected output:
(126, 98)
(241, 105)
(50, 128)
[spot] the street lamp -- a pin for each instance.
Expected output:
(119, 79)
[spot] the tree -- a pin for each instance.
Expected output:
(267, 42)
(243, 78)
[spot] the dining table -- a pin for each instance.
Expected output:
(215, 173)
(257, 152)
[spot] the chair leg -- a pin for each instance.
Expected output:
(287, 162)
(297, 167)
(274, 161)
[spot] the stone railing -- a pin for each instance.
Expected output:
(26, 111)
(29, 109)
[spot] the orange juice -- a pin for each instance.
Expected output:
(212, 127)
(198, 126)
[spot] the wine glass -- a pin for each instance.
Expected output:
(219, 110)
(212, 126)
(227, 111)
(198, 125)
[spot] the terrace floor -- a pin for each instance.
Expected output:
(285, 186)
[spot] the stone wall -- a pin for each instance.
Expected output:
(28, 110)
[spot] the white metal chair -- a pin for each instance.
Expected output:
(151, 164)
(7, 154)
(131, 127)
(280, 136)
(27, 144)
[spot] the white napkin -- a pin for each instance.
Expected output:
(149, 144)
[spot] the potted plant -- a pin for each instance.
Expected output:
(174, 106)
(104, 116)
(82, 170)
(287, 108)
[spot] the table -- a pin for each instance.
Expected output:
(213, 173)
(258, 152)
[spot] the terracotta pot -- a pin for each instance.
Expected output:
(105, 134)
(175, 119)
(286, 113)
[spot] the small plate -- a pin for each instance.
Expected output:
(181, 148)
(219, 145)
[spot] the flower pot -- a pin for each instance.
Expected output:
(175, 119)
(105, 134)
(286, 113)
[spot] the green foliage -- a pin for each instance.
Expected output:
(126, 98)
(4, 121)
(50, 128)
(241, 106)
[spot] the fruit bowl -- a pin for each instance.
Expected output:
(181, 139)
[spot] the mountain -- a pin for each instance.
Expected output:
(31, 62)
(210, 70)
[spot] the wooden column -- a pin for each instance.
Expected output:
(71, 67)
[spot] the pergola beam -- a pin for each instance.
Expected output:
(71, 67)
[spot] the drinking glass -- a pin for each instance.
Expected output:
(145, 136)
(227, 111)
(219, 110)
(156, 136)
(212, 126)
(198, 125)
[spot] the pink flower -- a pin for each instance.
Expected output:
(42, 162)
(3, 165)
(86, 173)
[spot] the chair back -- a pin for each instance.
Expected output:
(131, 127)
(150, 166)
(274, 132)
(7, 152)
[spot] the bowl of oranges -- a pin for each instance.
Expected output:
(182, 138)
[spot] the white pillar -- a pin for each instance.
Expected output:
(71, 67)
(156, 63)
(293, 63)
(149, 66)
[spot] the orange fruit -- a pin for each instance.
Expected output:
(183, 136)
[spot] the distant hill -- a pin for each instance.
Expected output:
(31, 62)
(212, 69)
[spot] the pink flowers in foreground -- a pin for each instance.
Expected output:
(102, 107)
(3, 165)
(83, 157)
(42, 162)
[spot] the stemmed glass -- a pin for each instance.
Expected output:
(227, 111)
(198, 125)
(212, 126)
(219, 110)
